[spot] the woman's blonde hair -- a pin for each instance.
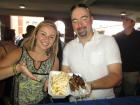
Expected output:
(31, 41)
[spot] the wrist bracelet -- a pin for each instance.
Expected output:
(14, 69)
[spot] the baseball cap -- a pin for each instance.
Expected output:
(132, 17)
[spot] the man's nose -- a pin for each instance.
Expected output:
(79, 24)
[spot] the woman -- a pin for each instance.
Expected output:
(39, 56)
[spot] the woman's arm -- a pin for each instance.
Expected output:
(9, 71)
(11, 58)
(7, 68)
(6, 72)
(56, 64)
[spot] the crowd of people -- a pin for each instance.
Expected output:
(106, 63)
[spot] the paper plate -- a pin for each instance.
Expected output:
(58, 86)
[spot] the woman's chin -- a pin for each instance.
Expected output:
(45, 48)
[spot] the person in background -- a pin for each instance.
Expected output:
(39, 55)
(29, 30)
(60, 51)
(138, 86)
(7, 45)
(129, 44)
(96, 57)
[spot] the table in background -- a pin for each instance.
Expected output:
(131, 100)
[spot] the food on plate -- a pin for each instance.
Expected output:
(78, 87)
(76, 82)
(60, 84)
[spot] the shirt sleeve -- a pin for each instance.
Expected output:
(112, 51)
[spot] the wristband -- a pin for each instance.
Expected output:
(14, 69)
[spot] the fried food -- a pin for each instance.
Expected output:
(76, 82)
(59, 84)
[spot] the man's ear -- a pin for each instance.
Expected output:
(133, 22)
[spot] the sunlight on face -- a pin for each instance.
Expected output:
(81, 21)
(46, 36)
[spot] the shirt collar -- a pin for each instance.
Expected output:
(94, 37)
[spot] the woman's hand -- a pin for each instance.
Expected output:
(22, 68)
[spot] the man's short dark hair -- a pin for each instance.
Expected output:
(9, 34)
(80, 5)
(30, 28)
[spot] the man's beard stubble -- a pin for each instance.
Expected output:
(82, 32)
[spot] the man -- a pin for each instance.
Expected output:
(129, 44)
(29, 30)
(96, 57)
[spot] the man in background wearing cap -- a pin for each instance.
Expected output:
(129, 44)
